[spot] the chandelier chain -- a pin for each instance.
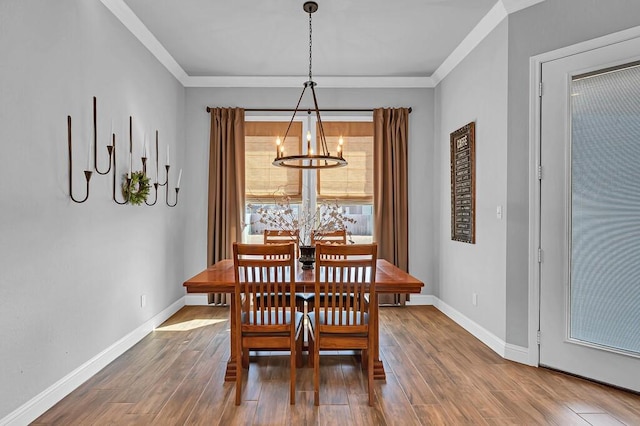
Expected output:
(310, 45)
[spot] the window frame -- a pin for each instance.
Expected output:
(310, 176)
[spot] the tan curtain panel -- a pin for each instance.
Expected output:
(226, 185)
(354, 182)
(263, 180)
(390, 205)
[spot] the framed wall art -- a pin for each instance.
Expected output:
(463, 187)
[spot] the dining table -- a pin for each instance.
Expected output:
(220, 278)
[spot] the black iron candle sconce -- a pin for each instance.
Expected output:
(111, 149)
(87, 173)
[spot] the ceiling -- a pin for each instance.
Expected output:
(239, 40)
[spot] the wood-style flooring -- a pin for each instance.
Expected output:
(437, 373)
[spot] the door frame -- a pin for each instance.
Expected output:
(535, 105)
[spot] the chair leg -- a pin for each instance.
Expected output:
(370, 375)
(238, 379)
(245, 358)
(293, 360)
(316, 377)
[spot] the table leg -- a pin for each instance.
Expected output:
(230, 375)
(378, 367)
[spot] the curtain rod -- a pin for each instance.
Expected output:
(307, 110)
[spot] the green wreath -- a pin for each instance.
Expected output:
(137, 191)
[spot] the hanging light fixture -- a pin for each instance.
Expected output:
(324, 159)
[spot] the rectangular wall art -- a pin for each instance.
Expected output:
(463, 186)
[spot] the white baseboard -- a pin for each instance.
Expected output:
(518, 354)
(34, 408)
(506, 350)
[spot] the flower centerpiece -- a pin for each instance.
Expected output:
(283, 216)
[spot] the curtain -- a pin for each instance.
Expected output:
(390, 204)
(226, 186)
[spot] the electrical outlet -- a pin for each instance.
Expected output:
(474, 299)
(143, 300)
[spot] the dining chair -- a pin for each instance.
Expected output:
(279, 236)
(338, 236)
(343, 323)
(275, 324)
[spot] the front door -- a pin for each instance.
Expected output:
(590, 214)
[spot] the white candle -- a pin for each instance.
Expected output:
(168, 155)
(179, 178)
(144, 145)
(130, 161)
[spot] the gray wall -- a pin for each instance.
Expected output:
(476, 90)
(72, 274)
(544, 27)
(421, 158)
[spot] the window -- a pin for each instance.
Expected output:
(263, 179)
(351, 187)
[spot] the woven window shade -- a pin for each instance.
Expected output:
(354, 182)
(262, 179)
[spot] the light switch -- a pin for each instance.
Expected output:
(499, 212)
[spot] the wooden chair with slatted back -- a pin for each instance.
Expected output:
(276, 324)
(277, 236)
(329, 237)
(343, 323)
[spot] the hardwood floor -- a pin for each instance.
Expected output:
(437, 373)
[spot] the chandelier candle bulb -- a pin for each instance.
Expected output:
(179, 179)
(168, 163)
(278, 148)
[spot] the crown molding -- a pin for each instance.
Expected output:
(512, 6)
(131, 21)
(297, 81)
(488, 23)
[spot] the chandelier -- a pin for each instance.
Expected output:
(324, 159)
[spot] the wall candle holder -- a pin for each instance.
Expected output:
(167, 197)
(111, 150)
(95, 143)
(87, 173)
(115, 156)
(156, 184)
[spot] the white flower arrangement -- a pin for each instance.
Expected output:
(328, 217)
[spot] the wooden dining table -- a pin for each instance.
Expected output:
(220, 278)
